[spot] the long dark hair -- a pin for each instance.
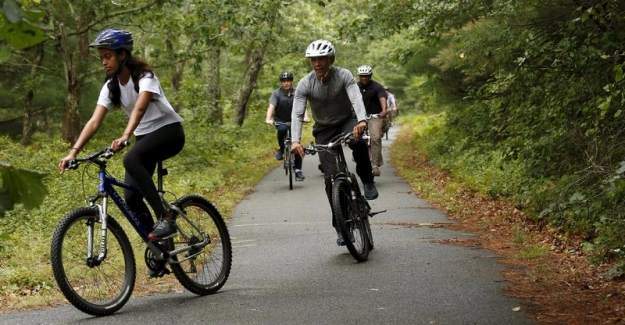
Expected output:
(138, 69)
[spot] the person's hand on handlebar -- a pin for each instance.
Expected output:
(359, 129)
(297, 148)
(119, 143)
(65, 161)
(269, 121)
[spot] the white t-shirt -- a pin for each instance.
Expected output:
(159, 112)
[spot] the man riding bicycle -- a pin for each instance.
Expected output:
(334, 98)
(279, 110)
(374, 97)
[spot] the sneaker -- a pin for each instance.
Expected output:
(163, 229)
(375, 171)
(371, 193)
(279, 155)
(299, 175)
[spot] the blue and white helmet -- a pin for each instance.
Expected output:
(113, 39)
(365, 70)
(320, 48)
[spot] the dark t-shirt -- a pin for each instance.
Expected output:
(371, 95)
(283, 103)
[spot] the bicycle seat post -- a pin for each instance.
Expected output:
(160, 172)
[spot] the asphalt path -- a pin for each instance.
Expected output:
(287, 268)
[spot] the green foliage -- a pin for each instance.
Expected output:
(533, 96)
(18, 27)
(20, 186)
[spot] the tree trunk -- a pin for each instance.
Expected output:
(28, 127)
(215, 111)
(71, 120)
(254, 63)
(176, 77)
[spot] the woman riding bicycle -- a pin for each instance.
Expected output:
(157, 127)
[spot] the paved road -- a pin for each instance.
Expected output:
(287, 269)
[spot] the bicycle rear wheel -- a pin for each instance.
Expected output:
(204, 270)
(94, 289)
(348, 220)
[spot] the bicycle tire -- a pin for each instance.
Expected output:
(349, 221)
(289, 158)
(69, 290)
(367, 226)
(220, 244)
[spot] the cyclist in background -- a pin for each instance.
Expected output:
(279, 110)
(391, 104)
(157, 127)
(334, 98)
(391, 108)
(374, 97)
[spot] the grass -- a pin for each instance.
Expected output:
(532, 251)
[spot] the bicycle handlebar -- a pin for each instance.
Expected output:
(105, 154)
(336, 141)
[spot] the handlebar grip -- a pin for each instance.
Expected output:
(72, 164)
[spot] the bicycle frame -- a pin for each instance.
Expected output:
(344, 173)
(105, 190)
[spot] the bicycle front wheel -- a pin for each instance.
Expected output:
(96, 288)
(289, 161)
(349, 221)
(203, 270)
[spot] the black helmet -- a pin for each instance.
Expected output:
(113, 39)
(286, 75)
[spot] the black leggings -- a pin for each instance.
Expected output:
(140, 163)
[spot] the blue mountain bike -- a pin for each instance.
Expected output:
(94, 264)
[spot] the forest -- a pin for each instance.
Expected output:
(522, 100)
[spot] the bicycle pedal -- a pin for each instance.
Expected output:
(372, 214)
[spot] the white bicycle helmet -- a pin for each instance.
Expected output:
(320, 48)
(365, 70)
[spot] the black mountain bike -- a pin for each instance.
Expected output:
(96, 271)
(287, 156)
(351, 210)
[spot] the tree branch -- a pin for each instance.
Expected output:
(111, 15)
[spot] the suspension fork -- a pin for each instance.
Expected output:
(103, 217)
